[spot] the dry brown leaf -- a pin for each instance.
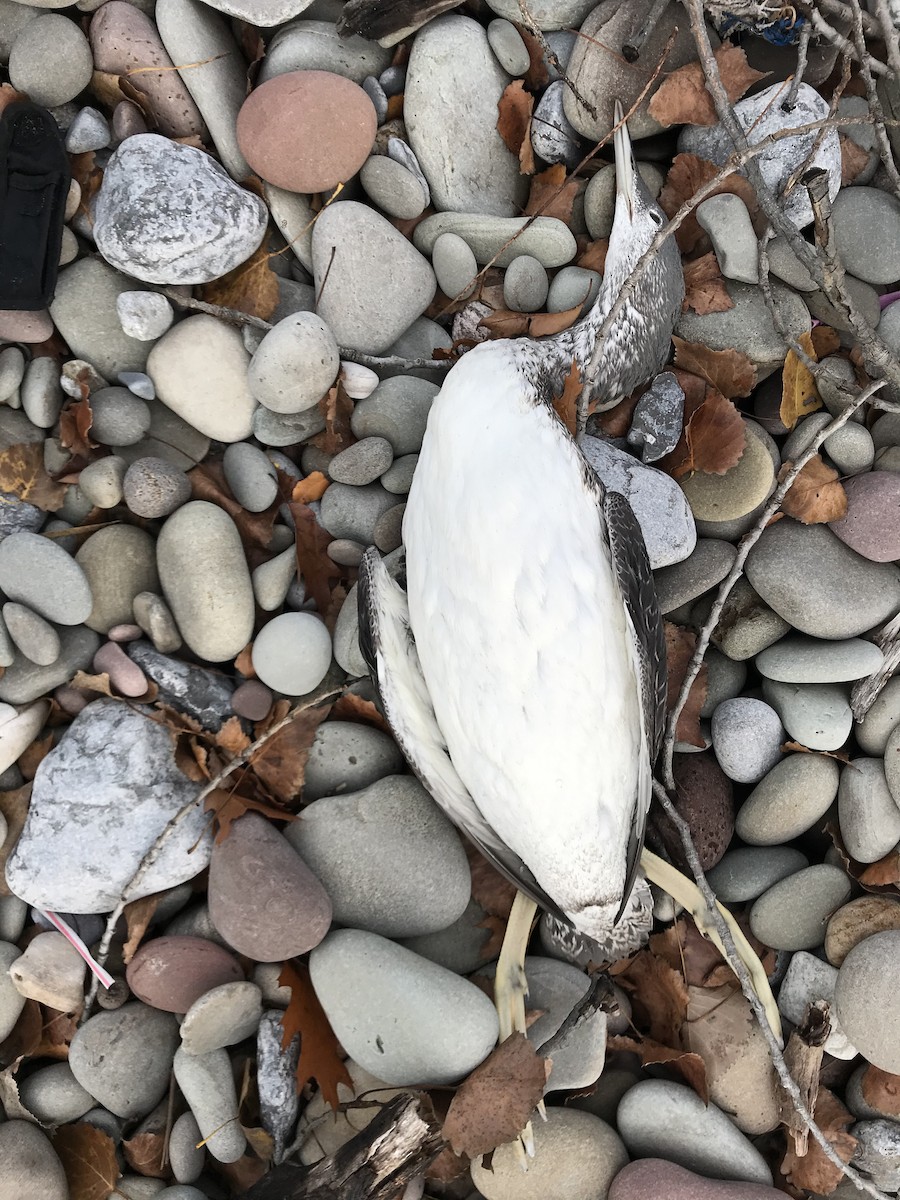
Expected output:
(144, 1154)
(680, 644)
(138, 915)
(102, 685)
(527, 161)
(208, 483)
(447, 1166)
(537, 75)
(88, 176)
(816, 496)
(799, 395)
(25, 1037)
(514, 115)
(705, 291)
(231, 737)
(728, 371)
(250, 288)
(313, 487)
(814, 1172)
(227, 807)
(714, 436)
(825, 341)
(23, 474)
(351, 707)
(310, 544)
(75, 422)
(492, 891)
(659, 995)
(88, 1156)
(280, 764)
(853, 159)
(799, 748)
(494, 1103)
(883, 873)
(616, 421)
(593, 257)
(552, 194)
(881, 1090)
(566, 404)
(337, 409)
(32, 756)
(685, 949)
(507, 324)
(14, 808)
(688, 173)
(689, 1066)
(319, 1051)
(682, 98)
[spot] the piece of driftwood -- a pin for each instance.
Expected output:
(396, 1146)
(803, 1055)
(381, 19)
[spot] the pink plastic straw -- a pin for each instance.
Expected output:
(74, 940)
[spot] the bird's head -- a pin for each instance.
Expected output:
(638, 218)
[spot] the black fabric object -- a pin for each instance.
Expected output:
(34, 184)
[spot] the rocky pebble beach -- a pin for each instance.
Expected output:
(279, 234)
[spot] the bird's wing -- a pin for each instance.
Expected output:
(632, 567)
(387, 645)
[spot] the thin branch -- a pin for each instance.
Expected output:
(155, 850)
(867, 65)
(802, 55)
(889, 33)
(843, 44)
(552, 58)
(866, 691)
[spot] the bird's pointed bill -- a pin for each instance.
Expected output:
(624, 160)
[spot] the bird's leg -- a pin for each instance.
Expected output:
(686, 892)
(511, 988)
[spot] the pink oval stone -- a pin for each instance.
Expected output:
(30, 327)
(872, 524)
(170, 973)
(306, 131)
(263, 898)
(124, 674)
(656, 1179)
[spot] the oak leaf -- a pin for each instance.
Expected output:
(552, 194)
(705, 291)
(691, 1067)
(729, 371)
(337, 409)
(495, 1102)
(816, 496)
(88, 1156)
(505, 323)
(280, 763)
(798, 386)
(228, 807)
(310, 545)
(319, 1051)
(680, 645)
(814, 1172)
(208, 483)
(251, 287)
(565, 405)
(22, 473)
(687, 174)
(682, 97)
(514, 115)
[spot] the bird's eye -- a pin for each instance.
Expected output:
(656, 217)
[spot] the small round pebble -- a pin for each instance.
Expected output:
(362, 462)
(125, 675)
(747, 736)
(186, 1155)
(101, 481)
(89, 131)
(525, 284)
(250, 475)
(817, 715)
(345, 552)
(295, 364)
(747, 872)
(573, 287)
(155, 619)
(871, 526)
(34, 637)
(388, 532)
(170, 973)
(144, 315)
(38, 572)
(867, 1000)
(51, 60)
(292, 653)
(347, 757)
(393, 188)
(850, 448)
(119, 417)
(124, 1058)
(54, 1095)
(793, 913)
(222, 1016)
(792, 797)
(508, 46)
(119, 562)
(454, 266)
(273, 580)
(154, 488)
(397, 410)
(251, 700)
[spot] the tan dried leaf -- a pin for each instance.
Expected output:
(816, 496)
(883, 873)
(514, 115)
(689, 1066)
(351, 707)
(14, 808)
(88, 1156)
(659, 995)
(799, 396)
(593, 258)
(337, 408)
(853, 159)
(144, 1154)
(715, 435)
(566, 404)
(138, 915)
(280, 763)
(813, 1171)
(22, 473)
(688, 173)
(704, 287)
(682, 97)
(552, 194)
(310, 543)
(75, 421)
(680, 644)
(250, 288)
(505, 323)
(227, 807)
(231, 737)
(494, 1103)
(729, 371)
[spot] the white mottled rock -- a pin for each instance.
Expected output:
(659, 504)
(101, 797)
(453, 84)
(168, 213)
(199, 370)
(144, 315)
(747, 737)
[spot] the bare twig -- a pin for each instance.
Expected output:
(889, 32)
(867, 65)
(632, 46)
(866, 691)
(552, 58)
(152, 854)
(802, 53)
(844, 44)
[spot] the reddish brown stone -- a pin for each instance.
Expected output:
(172, 972)
(872, 524)
(31, 327)
(263, 898)
(703, 796)
(306, 131)
(655, 1179)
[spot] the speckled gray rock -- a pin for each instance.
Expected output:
(793, 796)
(867, 233)
(462, 947)
(867, 1001)
(154, 488)
(41, 395)
(204, 224)
(575, 1152)
(119, 562)
(746, 625)
(206, 581)
(144, 315)
(317, 46)
(387, 856)
(347, 757)
(877, 1153)
(101, 481)
(119, 417)
(869, 816)
(278, 429)
(399, 1014)
(393, 188)
(793, 913)
(658, 502)
(124, 1057)
(276, 1080)
(747, 872)
(659, 1119)
(817, 715)
(352, 512)
(250, 475)
(54, 1095)
(506, 43)
(453, 85)
(747, 737)
(362, 462)
(24, 681)
(572, 287)
(807, 980)
(851, 449)
(11, 999)
(201, 694)
(221, 1017)
(207, 1084)
(30, 634)
(273, 580)
(798, 659)
(31, 1169)
(726, 220)
(18, 516)
(555, 988)
(881, 719)
(37, 572)
(295, 364)
(454, 265)
(600, 195)
(51, 60)
(396, 410)
(377, 282)
(547, 239)
(708, 564)
(748, 325)
(525, 284)
(184, 1157)
(811, 579)
(110, 782)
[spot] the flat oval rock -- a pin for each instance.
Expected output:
(858, 920)
(171, 973)
(221, 1017)
(124, 1057)
(791, 915)
(263, 898)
